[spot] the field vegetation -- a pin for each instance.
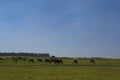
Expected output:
(104, 69)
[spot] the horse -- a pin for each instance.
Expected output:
(57, 61)
(24, 59)
(39, 60)
(15, 59)
(75, 61)
(92, 61)
(61, 61)
(47, 61)
(31, 60)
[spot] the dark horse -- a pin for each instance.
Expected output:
(39, 60)
(61, 61)
(92, 61)
(47, 61)
(15, 59)
(31, 60)
(24, 59)
(75, 61)
(56, 61)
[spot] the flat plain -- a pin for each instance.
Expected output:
(102, 70)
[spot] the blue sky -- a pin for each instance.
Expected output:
(75, 28)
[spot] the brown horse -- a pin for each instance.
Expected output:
(56, 61)
(47, 61)
(92, 61)
(39, 60)
(75, 61)
(31, 60)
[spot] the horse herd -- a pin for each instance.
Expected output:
(49, 60)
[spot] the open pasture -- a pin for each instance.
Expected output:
(107, 69)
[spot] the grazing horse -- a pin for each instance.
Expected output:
(15, 59)
(39, 60)
(1, 59)
(61, 61)
(92, 61)
(57, 61)
(31, 60)
(47, 61)
(75, 61)
(24, 59)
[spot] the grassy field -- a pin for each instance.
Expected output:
(102, 70)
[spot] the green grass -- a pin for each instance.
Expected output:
(56, 72)
(102, 70)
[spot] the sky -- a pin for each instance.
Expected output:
(66, 28)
